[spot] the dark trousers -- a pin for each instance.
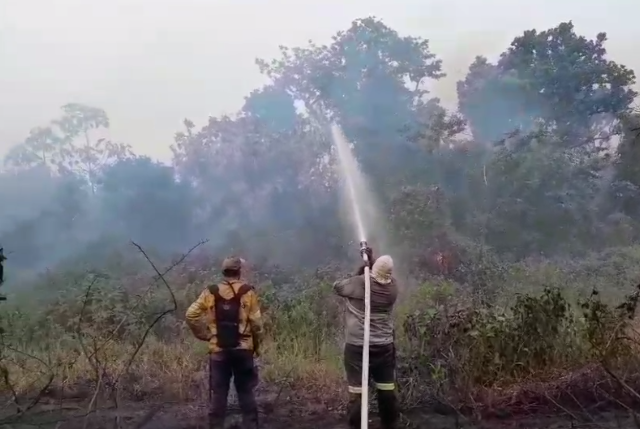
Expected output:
(239, 365)
(382, 369)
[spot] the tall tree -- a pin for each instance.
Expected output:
(552, 78)
(495, 102)
(68, 147)
(369, 79)
(41, 147)
(83, 154)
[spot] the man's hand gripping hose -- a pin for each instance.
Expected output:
(367, 258)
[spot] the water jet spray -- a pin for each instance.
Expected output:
(348, 166)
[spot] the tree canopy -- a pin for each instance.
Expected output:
(540, 159)
(553, 78)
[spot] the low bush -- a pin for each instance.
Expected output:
(102, 336)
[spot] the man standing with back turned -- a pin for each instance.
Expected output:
(382, 352)
(233, 327)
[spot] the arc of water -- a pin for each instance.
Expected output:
(345, 158)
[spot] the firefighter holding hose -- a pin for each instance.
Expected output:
(227, 315)
(382, 352)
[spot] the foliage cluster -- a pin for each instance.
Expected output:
(539, 160)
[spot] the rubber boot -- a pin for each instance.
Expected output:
(354, 410)
(388, 409)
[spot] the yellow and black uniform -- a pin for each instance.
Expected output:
(249, 317)
(227, 315)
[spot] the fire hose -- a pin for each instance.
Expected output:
(364, 410)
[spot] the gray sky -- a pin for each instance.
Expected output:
(151, 63)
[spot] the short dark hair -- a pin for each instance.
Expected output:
(231, 273)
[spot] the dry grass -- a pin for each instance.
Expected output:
(541, 352)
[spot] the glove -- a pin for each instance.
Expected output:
(257, 343)
(369, 252)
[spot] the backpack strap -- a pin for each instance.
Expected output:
(244, 289)
(214, 289)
